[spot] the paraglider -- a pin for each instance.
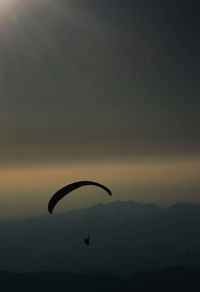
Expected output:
(69, 188)
(61, 193)
(86, 239)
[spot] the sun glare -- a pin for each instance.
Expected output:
(6, 5)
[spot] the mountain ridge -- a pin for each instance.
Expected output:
(170, 279)
(125, 237)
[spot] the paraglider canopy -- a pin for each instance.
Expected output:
(69, 188)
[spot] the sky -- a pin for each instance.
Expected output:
(102, 90)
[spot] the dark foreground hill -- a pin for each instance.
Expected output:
(125, 237)
(171, 279)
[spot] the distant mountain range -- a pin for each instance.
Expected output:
(125, 237)
(171, 279)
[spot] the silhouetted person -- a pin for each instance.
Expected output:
(86, 239)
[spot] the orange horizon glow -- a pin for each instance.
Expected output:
(113, 173)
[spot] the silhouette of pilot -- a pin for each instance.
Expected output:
(86, 239)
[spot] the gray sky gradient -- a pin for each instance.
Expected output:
(96, 79)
